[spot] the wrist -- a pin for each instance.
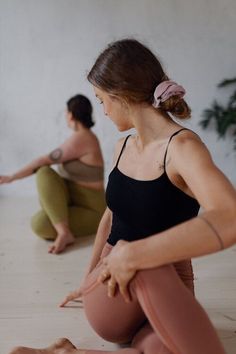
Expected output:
(132, 256)
(12, 178)
(141, 255)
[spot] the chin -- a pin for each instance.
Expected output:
(123, 128)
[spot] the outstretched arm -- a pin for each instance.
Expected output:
(103, 232)
(27, 170)
(67, 151)
(100, 240)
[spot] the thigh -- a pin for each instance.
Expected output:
(88, 198)
(112, 318)
(83, 221)
(51, 186)
(173, 312)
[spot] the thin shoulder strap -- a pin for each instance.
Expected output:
(122, 149)
(178, 131)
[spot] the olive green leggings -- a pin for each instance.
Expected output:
(66, 201)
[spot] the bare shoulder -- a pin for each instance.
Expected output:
(82, 138)
(192, 162)
(187, 148)
(74, 138)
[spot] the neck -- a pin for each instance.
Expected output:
(79, 127)
(151, 124)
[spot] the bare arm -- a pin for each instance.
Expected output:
(26, 171)
(100, 240)
(104, 227)
(67, 151)
(103, 231)
(216, 229)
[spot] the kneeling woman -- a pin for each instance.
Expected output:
(139, 285)
(72, 200)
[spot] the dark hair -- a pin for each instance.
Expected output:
(81, 109)
(129, 69)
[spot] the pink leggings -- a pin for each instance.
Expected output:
(163, 317)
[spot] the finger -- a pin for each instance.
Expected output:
(69, 298)
(64, 302)
(121, 243)
(111, 287)
(105, 261)
(125, 292)
(104, 275)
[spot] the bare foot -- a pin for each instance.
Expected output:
(24, 350)
(61, 346)
(61, 242)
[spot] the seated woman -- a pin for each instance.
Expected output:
(72, 200)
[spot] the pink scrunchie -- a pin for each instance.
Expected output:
(165, 90)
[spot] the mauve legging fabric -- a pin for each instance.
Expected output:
(163, 317)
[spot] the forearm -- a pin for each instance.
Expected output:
(31, 168)
(190, 239)
(103, 231)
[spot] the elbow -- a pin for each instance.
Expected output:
(224, 222)
(43, 161)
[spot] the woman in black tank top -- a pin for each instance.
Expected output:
(139, 284)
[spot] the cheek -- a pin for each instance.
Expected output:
(105, 108)
(110, 109)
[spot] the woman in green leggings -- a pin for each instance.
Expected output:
(72, 199)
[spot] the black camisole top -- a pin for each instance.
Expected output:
(143, 208)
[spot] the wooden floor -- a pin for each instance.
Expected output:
(33, 282)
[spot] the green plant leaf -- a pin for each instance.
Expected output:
(227, 82)
(224, 117)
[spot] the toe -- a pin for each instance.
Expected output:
(63, 343)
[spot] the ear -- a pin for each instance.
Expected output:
(70, 117)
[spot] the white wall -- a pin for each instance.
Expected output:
(47, 46)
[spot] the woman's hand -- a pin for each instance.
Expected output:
(6, 179)
(117, 271)
(74, 295)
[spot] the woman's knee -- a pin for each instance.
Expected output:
(43, 172)
(42, 228)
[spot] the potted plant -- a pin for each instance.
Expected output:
(224, 117)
